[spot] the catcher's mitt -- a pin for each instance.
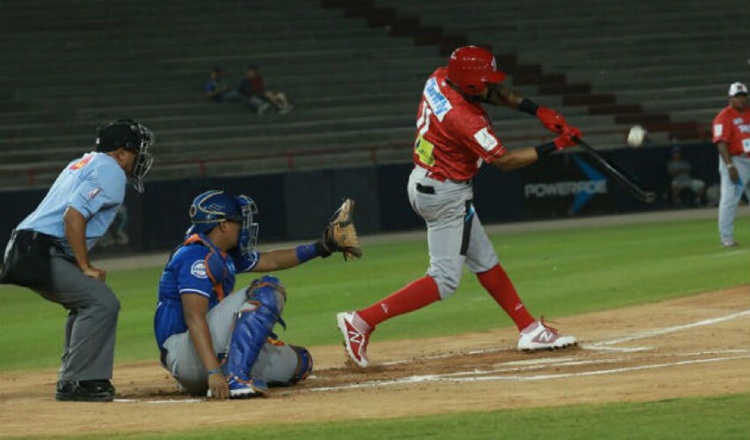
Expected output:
(340, 234)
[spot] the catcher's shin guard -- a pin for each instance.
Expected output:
(253, 325)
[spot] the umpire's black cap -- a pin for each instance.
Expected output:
(122, 133)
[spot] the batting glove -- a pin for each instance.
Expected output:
(568, 138)
(552, 120)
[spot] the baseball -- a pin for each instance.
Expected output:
(636, 136)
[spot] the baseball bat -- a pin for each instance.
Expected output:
(617, 174)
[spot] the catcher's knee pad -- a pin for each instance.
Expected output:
(253, 325)
(305, 365)
(268, 291)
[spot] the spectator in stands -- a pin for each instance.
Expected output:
(217, 90)
(253, 89)
(686, 190)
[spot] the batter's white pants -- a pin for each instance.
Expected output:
(455, 235)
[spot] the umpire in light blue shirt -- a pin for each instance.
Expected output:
(49, 253)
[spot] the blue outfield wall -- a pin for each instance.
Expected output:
(297, 205)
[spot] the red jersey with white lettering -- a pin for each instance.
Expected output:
(454, 135)
(733, 127)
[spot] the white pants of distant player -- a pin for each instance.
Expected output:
(731, 194)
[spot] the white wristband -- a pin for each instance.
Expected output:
(731, 165)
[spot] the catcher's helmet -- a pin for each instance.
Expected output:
(213, 207)
(130, 135)
(471, 67)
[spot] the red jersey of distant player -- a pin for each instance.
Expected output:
(733, 127)
(453, 135)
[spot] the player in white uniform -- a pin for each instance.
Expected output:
(454, 136)
(732, 139)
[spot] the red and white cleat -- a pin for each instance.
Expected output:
(538, 336)
(356, 337)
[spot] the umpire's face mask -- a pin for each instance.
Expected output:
(143, 159)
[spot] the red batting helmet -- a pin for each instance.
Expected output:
(471, 67)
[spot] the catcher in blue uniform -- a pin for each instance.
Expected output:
(218, 341)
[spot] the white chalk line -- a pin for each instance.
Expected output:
(729, 254)
(676, 328)
(448, 378)
(602, 345)
(537, 364)
(443, 356)
(519, 366)
(616, 349)
(157, 402)
(529, 365)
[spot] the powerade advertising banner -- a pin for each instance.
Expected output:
(564, 186)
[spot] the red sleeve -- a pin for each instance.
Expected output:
(475, 132)
(487, 136)
(722, 129)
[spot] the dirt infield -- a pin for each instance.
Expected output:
(693, 346)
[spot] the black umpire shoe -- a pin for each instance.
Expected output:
(85, 391)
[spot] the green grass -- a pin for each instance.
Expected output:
(720, 418)
(557, 273)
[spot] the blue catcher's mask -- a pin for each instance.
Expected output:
(213, 207)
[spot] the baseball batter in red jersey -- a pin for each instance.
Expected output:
(732, 139)
(454, 137)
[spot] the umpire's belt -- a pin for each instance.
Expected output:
(27, 235)
(27, 261)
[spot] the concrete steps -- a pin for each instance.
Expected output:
(69, 68)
